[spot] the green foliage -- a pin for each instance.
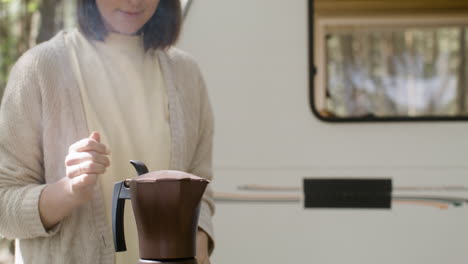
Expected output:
(19, 32)
(15, 30)
(33, 7)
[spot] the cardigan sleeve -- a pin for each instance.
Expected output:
(21, 155)
(201, 164)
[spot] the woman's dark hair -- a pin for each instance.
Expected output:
(160, 32)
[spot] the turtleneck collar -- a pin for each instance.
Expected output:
(124, 42)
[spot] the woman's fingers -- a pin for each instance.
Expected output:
(89, 144)
(202, 255)
(96, 136)
(86, 160)
(88, 167)
(74, 158)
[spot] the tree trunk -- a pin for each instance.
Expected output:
(48, 15)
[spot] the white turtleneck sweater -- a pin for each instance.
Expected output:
(124, 97)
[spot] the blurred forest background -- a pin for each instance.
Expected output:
(24, 24)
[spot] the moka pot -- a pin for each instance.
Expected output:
(166, 206)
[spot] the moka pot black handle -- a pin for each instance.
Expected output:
(121, 192)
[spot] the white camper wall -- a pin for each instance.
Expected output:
(254, 56)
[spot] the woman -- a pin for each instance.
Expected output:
(118, 76)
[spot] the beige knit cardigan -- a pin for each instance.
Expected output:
(41, 115)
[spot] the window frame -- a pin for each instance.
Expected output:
(317, 71)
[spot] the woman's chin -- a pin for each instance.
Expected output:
(125, 31)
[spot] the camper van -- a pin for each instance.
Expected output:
(323, 89)
(310, 91)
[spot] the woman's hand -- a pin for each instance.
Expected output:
(202, 248)
(86, 160)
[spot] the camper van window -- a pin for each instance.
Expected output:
(391, 69)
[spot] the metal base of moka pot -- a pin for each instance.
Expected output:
(169, 261)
